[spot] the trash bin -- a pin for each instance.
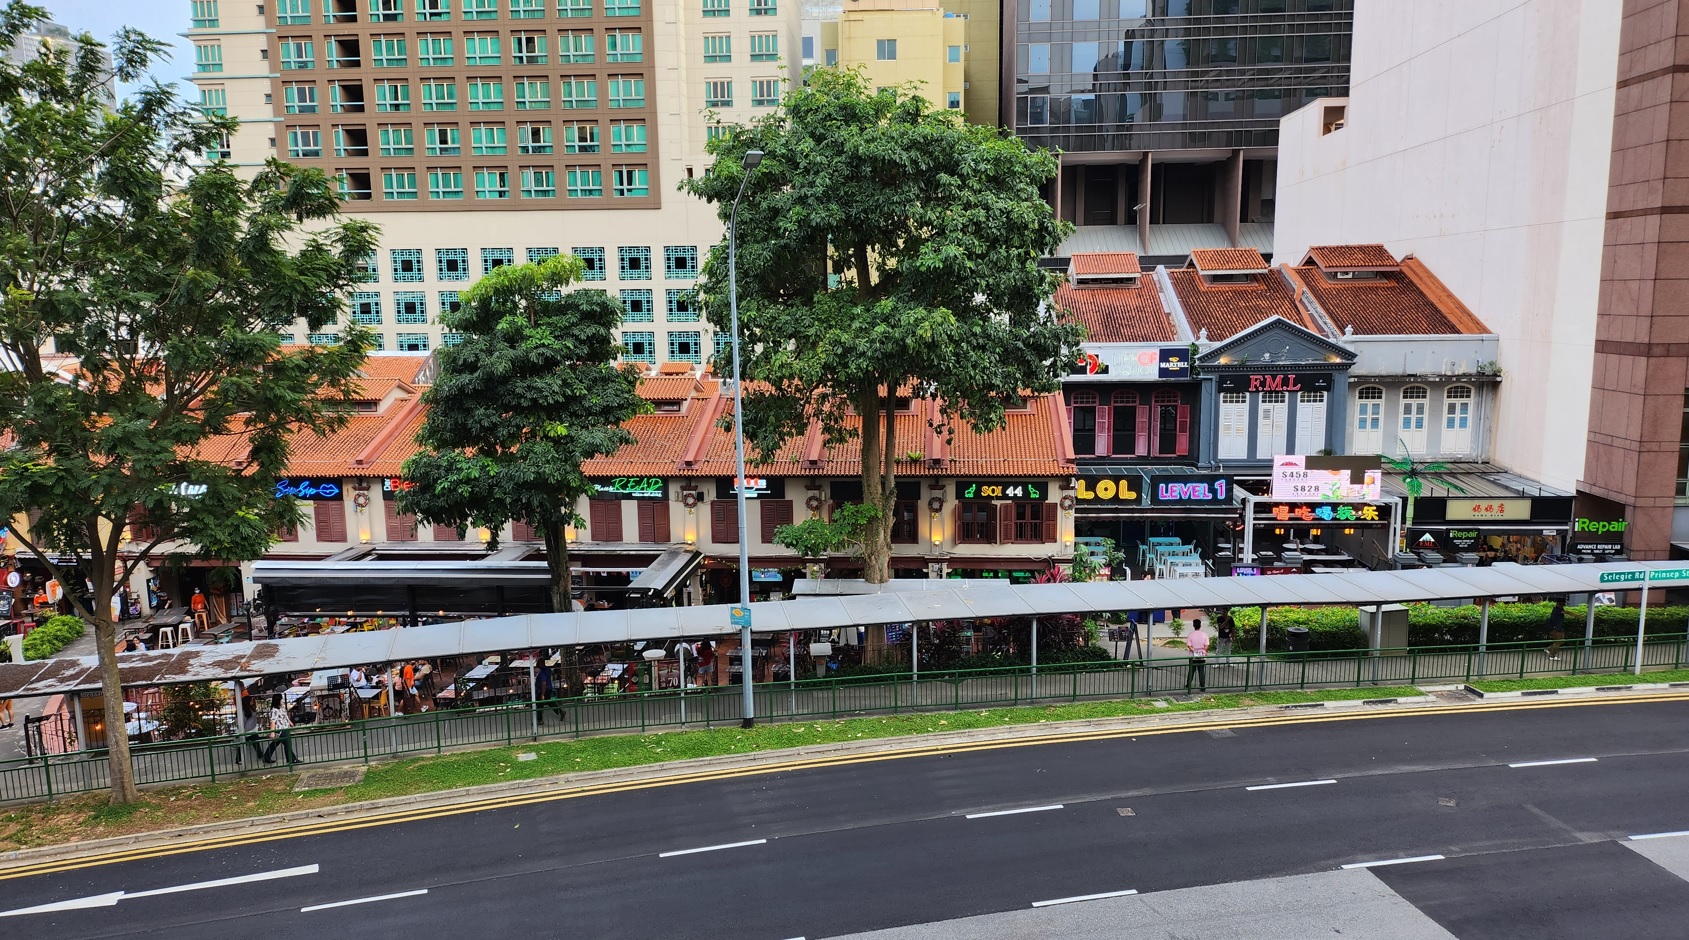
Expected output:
(1298, 639)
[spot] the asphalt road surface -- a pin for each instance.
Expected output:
(1415, 827)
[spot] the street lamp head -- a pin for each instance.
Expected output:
(752, 158)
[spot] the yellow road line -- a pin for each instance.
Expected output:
(526, 799)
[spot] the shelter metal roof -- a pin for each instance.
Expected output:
(888, 603)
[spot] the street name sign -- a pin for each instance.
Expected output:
(1622, 577)
(1658, 574)
(1669, 574)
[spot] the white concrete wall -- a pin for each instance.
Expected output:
(1478, 137)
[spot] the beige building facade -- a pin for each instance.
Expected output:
(898, 42)
(485, 132)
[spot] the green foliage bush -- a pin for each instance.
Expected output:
(52, 636)
(1338, 628)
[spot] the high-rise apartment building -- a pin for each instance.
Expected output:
(1166, 111)
(45, 36)
(904, 42)
(485, 132)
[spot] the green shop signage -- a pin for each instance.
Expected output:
(1003, 489)
(632, 487)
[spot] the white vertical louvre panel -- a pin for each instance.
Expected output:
(1234, 425)
(1270, 429)
(1310, 422)
(1368, 436)
(1457, 420)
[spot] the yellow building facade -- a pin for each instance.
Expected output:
(903, 41)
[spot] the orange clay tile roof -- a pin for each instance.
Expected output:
(376, 388)
(331, 455)
(1351, 257)
(1225, 310)
(667, 387)
(1118, 314)
(1396, 302)
(1114, 262)
(658, 440)
(392, 457)
(403, 368)
(1220, 260)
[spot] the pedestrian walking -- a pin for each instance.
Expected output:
(1556, 628)
(6, 713)
(281, 732)
(1224, 632)
(1197, 670)
(249, 736)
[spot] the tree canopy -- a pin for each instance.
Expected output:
(142, 374)
(886, 249)
(532, 392)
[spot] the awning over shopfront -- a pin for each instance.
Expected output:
(536, 631)
(667, 573)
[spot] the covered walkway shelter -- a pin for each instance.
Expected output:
(891, 606)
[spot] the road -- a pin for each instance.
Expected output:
(888, 846)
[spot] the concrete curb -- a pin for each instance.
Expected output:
(1578, 690)
(1046, 732)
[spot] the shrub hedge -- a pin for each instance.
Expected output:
(1339, 628)
(52, 636)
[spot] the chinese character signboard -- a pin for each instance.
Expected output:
(1488, 508)
(1330, 480)
(1323, 512)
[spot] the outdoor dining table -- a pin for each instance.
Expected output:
(141, 726)
(481, 672)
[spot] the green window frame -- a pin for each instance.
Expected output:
(581, 137)
(682, 305)
(214, 101)
(451, 301)
(717, 8)
(718, 48)
(765, 47)
(445, 183)
(442, 140)
(492, 182)
(450, 264)
(577, 93)
(585, 182)
(573, 8)
(481, 49)
(624, 45)
(686, 346)
(764, 8)
(203, 14)
(627, 91)
(486, 95)
(487, 140)
(366, 308)
(304, 143)
(627, 137)
(527, 49)
(410, 308)
(293, 12)
(208, 57)
(718, 93)
(480, 9)
(765, 92)
(397, 140)
(621, 7)
(433, 11)
(639, 305)
(539, 182)
(398, 184)
(392, 96)
(576, 46)
(412, 342)
(386, 11)
(324, 339)
(533, 94)
(496, 257)
(533, 139)
(299, 98)
(388, 52)
(439, 95)
(527, 9)
(434, 51)
(632, 181)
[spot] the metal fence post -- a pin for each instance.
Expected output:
(439, 743)
(363, 735)
(641, 714)
(211, 758)
(1483, 635)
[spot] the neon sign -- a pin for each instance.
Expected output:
(644, 487)
(993, 489)
(1106, 490)
(1325, 513)
(307, 489)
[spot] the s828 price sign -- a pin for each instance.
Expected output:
(1003, 489)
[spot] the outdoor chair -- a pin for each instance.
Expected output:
(166, 638)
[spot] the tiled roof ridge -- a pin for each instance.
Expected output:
(1460, 315)
(1307, 305)
(1366, 256)
(1216, 260)
(398, 419)
(705, 412)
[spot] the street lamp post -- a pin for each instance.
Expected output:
(752, 158)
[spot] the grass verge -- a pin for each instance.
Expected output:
(89, 817)
(1578, 682)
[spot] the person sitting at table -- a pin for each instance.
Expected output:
(358, 679)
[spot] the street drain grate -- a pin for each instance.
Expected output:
(329, 779)
(1125, 811)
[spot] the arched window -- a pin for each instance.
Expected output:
(1457, 419)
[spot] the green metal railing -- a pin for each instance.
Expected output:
(434, 732)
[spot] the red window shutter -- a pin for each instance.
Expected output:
(647, 523)
(775, 513)
(1004, 515)
(401, 527)
(330, 519)
(724, 521)
(1143, 430)
(606, 520)
(522, 532)
(1184, 431)
(1103, 439)
(446, 533)
(958, 532)
(659, 521)
(289, 533)
(1049, 523)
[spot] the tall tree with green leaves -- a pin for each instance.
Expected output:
(142, 376)
(531, 393)
(933, 228)
(1415, 474)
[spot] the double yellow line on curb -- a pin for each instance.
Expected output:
(545, 796)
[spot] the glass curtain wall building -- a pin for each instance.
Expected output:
(1166, 111)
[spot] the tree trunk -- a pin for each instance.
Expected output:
(876, 547)
(1407, 523)
(122, 768)
(562, 600)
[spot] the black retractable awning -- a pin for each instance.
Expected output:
(666, 574)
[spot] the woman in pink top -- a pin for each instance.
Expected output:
(1198, 668)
